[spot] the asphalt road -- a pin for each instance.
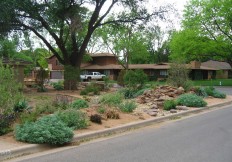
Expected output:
(227, 90)
(203, 138)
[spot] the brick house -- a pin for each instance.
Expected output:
(107, 64)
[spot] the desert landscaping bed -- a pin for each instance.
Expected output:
(148, 106)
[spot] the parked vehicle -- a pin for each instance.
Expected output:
(92, 76)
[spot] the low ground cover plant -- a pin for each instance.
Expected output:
(74, 119)
(91, 88)
(169, 104)
(79, 104)
(211, 91)
(190, 100)
(127, 106)
(58, 85)
(112, 99)
(46, 130)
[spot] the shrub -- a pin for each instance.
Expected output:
(73, 119)
(211, 91)
(92, 87)
(9, 90)
(127, 106)
(28, 117)
(140, 92)
(169, 104)
(128, 92)
(96, 119)
(178, 75)
(79, 104)
(48, 129)
(112, 99)
(135, 78)
(46, 108)
(21, 106)
(101, 110)
(191, 100)
(200, 91)
(58, 85)
(6, 121)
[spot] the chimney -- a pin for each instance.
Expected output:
(195, 64)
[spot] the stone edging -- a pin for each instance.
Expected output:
(34, 148)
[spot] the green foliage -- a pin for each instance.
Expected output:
(191, 100)
(73, 119)
(46, 130)
(127, 106)
(135, 78)
(9, 90)
(112, 99)
(96, 119)
(28, 117)
(128, 92)
(178, 75)
(6, 121)
(120, 79)
(21, 106)
(169, 104)
(79, 104)
(140, 92)
(48, 108)
(92, 87)
(200, 91)
(101, 110)
(58, 85)
(211, 91)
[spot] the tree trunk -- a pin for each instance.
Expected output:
(71, 77)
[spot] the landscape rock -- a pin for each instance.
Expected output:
(173, 111)
(152, 113)
(182, 108)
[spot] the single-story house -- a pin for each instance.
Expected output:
(107, 64)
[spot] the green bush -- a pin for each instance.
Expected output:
(211, 91)
(21, 106)
(73, 119)
(140, 92)
(101, 110)
(28, 117)
(79, 104)
(200, 91)
(169, 104)
(47, 130)
(135, 78)
(58, 85)
(92, 87)
(191, 100)
(127, 106)
(128, 92)
(178, 75)
(47, 108)
(113, 99)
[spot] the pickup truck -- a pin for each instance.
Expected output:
(92, 76)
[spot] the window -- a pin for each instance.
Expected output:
(163, 72)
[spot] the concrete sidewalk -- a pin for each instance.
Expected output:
(11, 149)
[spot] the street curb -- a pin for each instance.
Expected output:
(34, 148)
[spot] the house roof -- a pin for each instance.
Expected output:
(102, 55)
(15, 61)
(104, 67)
(217, 64)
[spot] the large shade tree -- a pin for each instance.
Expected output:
(66, 26)
(207, 31)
